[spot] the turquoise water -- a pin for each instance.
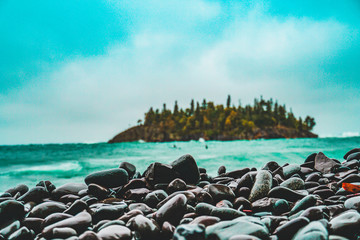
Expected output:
(62, 163)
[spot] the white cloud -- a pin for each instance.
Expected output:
(90, 99)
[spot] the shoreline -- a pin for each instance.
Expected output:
(181, 201)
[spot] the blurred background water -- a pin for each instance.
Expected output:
(63, 163)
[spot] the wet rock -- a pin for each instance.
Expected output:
(21, 189)
(98, 191)
(353, 203)
(291, 169)
(22, 234)
(219, 192)
(144, 228)
(129, 168)
(159, 173)
(63, 233)
(173, 210)
(45, 209)
(79, 223)
(115, 232)
(176, 185)
(221, 170)
(242, 225)
(36, 194)
(89, 235)
(153, 198)
(189, 232)
(288, 230)
(187, 169)
(11, 210)
(314, 230)
(226, 213)
(109, 212)
(351, 151)
(304, 203)
(285, 193)
(262, 185)
(324, 164)
(205, 220)
(68, 188)
(76, 207)
(108, 178)
(346, 224)
(11, 228)
(33, 224)
(293, 183)
(281, 206)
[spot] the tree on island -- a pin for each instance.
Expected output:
(212, 120)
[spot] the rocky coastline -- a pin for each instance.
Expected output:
(318, 199)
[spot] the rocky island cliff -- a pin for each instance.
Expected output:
(265, 119)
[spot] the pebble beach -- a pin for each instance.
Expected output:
(317, 199)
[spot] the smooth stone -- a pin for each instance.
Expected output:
(353, 203)
(271, 166)
(323, 163)
(115, 232)
(176, 185)
(187, 169)
(76, 207)
(285, 193)
(203, 208)
(189, 232)
(264, 205)
(304, 203)
(310, 158)
(262, 185)
(205, 220)
(313, 213)
(346, 224)
(8, 230)
(243, 225)
(107, 223)
(226, 213)
(244, 237)
(314, 231)
(220, 192)
(130, 214)
(68, 188)
(89, 235)
(173, 210)
(79, 223)
(11, 210)
(143, 227)
(145, 209)
(53, 218)
(98, 191)
(136, 194)
(36, 194)
(129, 168)
(287, 230)
(167, 230)
(109, 212)
(110, 178)
(242, 202)
(33, 224)
(353, 156)
(221, 170)
(63, 233)
(153, 198)
(21, 188)
(293, 183)
(351, 151)
(281, 206)
(291, 169)
(45, 209)
(159, 173)
(22, 234)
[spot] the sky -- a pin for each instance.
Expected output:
(82, 71)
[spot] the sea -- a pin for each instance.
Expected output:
(65, 163)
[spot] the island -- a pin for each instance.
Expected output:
(264, 119)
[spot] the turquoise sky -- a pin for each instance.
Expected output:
(80, 71)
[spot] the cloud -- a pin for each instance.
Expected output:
(91, 98)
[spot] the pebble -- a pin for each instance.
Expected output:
(181, 201)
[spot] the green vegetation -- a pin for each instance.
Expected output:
(212, 120)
